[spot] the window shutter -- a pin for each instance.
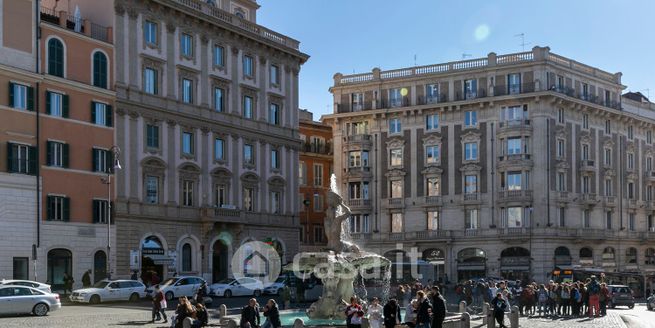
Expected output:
(109, 113)
(49, 154)
(30, 98)
(155, 82)
(67, 209)
(109, 212)
(10, 158)
(109, 155)
(66, 105)
(33, 161)
(49, 209)
(11, 95)
(65, 156)
(94, 160)
(47, 102)
(95, 211)
(93, 112)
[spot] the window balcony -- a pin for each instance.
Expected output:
(513, 89)
(359, 138)
(609, 201)
(588, 199)
(317, 148)
(650, 176)
(426, 100)
(515, 196)
(70, 22)
(359, 204)
(514, 157)
(471, 198)
(396, 202)
(562, 196)
(633, 203)
(470, 94)
(359, 169)
(587, 165)
(514, 125)
(650, 205)
(433, 201)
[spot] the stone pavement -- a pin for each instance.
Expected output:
(611, 320)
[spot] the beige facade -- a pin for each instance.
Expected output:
(509, 165)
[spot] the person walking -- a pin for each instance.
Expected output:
(86, 279)
(438, 308)
(68, 283)
(250, 314)
(159, 306)
(424, 310)
(272, 315)
(201, 293)
(499, 305)
(392, 314)
(593, 288)
(603, 297)
(375, 311)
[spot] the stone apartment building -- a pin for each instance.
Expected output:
(207, 125)
(64, 91)
(315, 169)
(505, 166)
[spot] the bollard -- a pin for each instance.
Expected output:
(222, 311)
(462, 306)
(491, 321)
(298, 323)
(514, 317)
(485, 313)
(465, 320)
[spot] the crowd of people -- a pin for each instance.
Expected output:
(190, 313)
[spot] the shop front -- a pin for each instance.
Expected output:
(436, 259)
(515, 264)
(156, 262)
(471, 264)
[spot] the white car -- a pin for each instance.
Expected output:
(237, 287)
(114, 290)
(276, 287)
(179, 286)
(40, 286)
(20, 299)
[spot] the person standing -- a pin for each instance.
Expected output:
(424, 310)
(68, 283)
(86, 279)
(593, 288)
(159, 305)
(286, 297)
(375, 313)
(392, 314)
(135, 275)
(272, 315)
(438, 308)
(603, 297)
(500, 305)
(351, 311)
(250, 314)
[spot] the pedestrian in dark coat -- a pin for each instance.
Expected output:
(423, 319)
(159, 305)
(500, 305)
(272, 315)
(438, 308)
(391, 314)
(68, 282)
(86, 279)
(250, 314)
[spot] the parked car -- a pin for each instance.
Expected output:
(620, 295)
(110, 290)
(650, 302)
(34, 284)
(276, 287)
(179, 286)
(237, 287)
(21, 299)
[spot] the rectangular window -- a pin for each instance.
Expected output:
(649, 193)
(101, 114)
(514, 83)
(186, 45)
(220, 195)
(318, 203)
(608, 98)
(471, 219)
(18, 96)
(433, 186)
(562, 216)
(152, 136)
(57, 104)
(21, 159)
(514, 115)
(219, 100)
(395, 97)
(470, 119)
(355, 159)
(152, 189)
(187, 143)
(318, 175)
(396, 189)
(21, 268)
(560, 148)
(432, 154)
(396, 222)
(514, 217)
(101, 160)
(355, 222)
(431, 93)
(248, 154)
(631, 132)
(100, 211)
(302, 173)
(585, 91)
(219, 149)
(394, 125)
(608, 220)
(586, 218)
(585, 121)
(585, 152)
(631, 161)
(58, 208)
(513, 146)
(431, 122)
(187, 91)
(275, 75)
(649, 163)
(219, 56)
(396, 157)
(275, 202)
(274, 114)
(649, 137)
(150, 81)
(631, 222)
(471, 151)
(608, 126)
(247, 107)
(608, 187)
(433, 220)
(187, 193)
(357, 100)
(275, 159)
(561, 181)
(470, 184)
(470, 89)
(319, 234)
(631, 190)
(586, 184)
(57, 154)
(514, 180)
(248, 66)
(150, 32)
(608, 157)
(560, 115)
(249, 199)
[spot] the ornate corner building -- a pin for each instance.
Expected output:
(505, 166)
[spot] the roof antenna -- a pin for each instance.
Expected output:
(523, 44)
(414, 60)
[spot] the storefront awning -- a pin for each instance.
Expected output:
(514, 268)
(471, 268)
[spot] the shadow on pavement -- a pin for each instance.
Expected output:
(135, 323)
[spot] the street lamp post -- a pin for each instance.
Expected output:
(116, 165)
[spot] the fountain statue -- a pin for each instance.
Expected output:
(341, 263)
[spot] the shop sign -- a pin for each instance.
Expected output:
(434, 256)
(153, 251)
(135, 257)
(515, 261)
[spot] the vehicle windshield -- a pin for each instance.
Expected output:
(168, 281)
(101, 284)
(225, 281)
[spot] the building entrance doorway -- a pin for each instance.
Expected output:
(219, 261)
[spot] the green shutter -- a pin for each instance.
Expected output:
(33, 161)
(48, 103)
(49, 154)
(93, 112)
(94, 160)
(30, 98)
(66, 105)
(11, 94)
(65, 156)
(95, 211)
(109, 113)
(49, 209)
(67, 209)
(10, 158)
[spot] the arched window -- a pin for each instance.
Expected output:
(586, 252)
(608, 254)
(60, 263)
(186, 258)
(649, 256)
(99, 70)
(55, 57)
(631, 255)
(99, 266)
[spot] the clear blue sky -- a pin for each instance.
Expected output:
(357, 35)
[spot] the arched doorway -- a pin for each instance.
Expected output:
(437, 259)
(586, 256)
(219, 261)
(99, 266)
(153, 258)
(60, 261)
(562, 257)
(471, 264)
(515, 264)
